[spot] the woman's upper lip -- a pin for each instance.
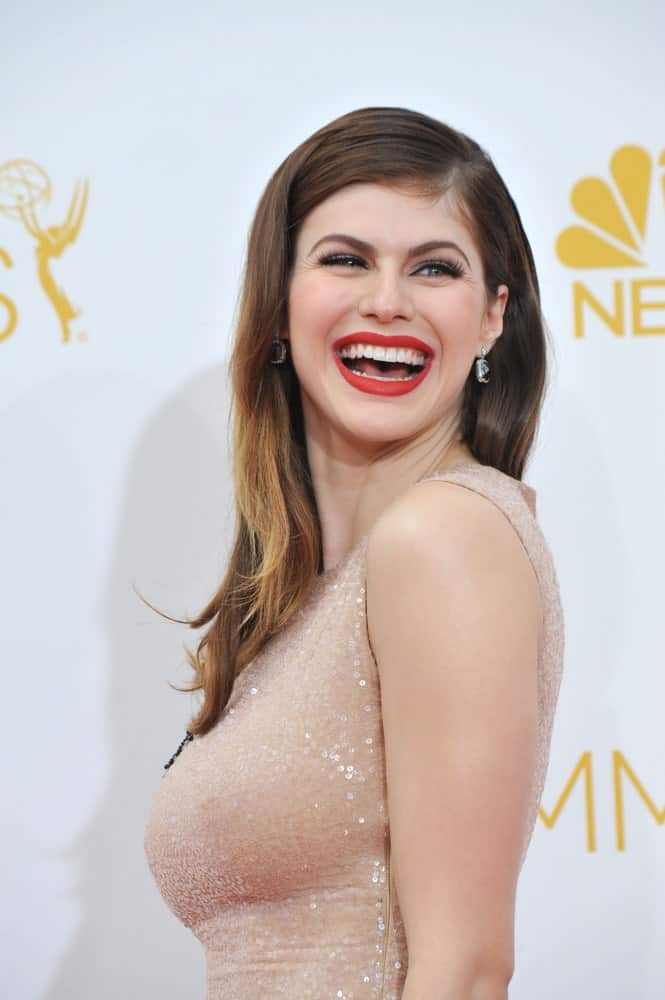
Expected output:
(383, 340)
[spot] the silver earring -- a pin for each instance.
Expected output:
(279, 351)
(482, 368)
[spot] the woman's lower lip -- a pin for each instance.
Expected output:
(375, 386)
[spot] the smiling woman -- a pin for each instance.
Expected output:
(399, 291)
(381, 663)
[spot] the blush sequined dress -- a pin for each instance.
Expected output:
(269, 837)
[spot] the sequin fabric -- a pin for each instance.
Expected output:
(269, 836)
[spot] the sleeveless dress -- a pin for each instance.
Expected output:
(269, 836)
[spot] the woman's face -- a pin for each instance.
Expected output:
(371, 282)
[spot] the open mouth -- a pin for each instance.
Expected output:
(386, 371)
(382, 365)
(393, 364)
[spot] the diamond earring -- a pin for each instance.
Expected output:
(279, 351)
(482, 368)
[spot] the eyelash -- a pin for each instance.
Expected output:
(449, 267)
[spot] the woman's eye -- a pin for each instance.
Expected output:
(443, 267)
(340, 258)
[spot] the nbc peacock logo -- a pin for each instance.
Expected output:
(622, 222)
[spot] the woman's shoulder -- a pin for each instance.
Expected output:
(473, 491)
(504, 490)
(438, 543)
(428, 514)
(460, 510)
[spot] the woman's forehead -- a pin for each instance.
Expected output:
(389, 217)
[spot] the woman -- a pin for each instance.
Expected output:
(382, 661)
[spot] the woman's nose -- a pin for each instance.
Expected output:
(385, 296)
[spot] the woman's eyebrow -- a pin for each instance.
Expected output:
(367, 248)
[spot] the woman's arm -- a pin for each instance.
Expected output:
(494, 987)
(454, 619)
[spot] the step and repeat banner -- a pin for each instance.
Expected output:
(134, 147)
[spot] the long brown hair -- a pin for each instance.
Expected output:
(277, 546)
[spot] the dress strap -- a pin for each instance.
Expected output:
(476, 476)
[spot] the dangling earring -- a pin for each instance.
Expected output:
(482, 368)
(279, 351)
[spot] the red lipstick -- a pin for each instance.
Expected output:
(375, 386)
(383, 340)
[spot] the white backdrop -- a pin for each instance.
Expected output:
(113, 444)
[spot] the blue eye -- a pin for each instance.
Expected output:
(445, 267)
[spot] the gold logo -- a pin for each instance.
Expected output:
(622, 771)
(24, 187)
(612, 233)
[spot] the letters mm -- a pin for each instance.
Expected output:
(584, 768)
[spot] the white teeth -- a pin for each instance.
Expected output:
(376, 353)
(385, 378)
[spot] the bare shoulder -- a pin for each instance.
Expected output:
(441, 528)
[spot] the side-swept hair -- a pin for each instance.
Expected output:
(277, 547)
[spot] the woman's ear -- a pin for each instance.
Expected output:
(495, 311)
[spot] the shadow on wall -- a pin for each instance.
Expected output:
(172, 540)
